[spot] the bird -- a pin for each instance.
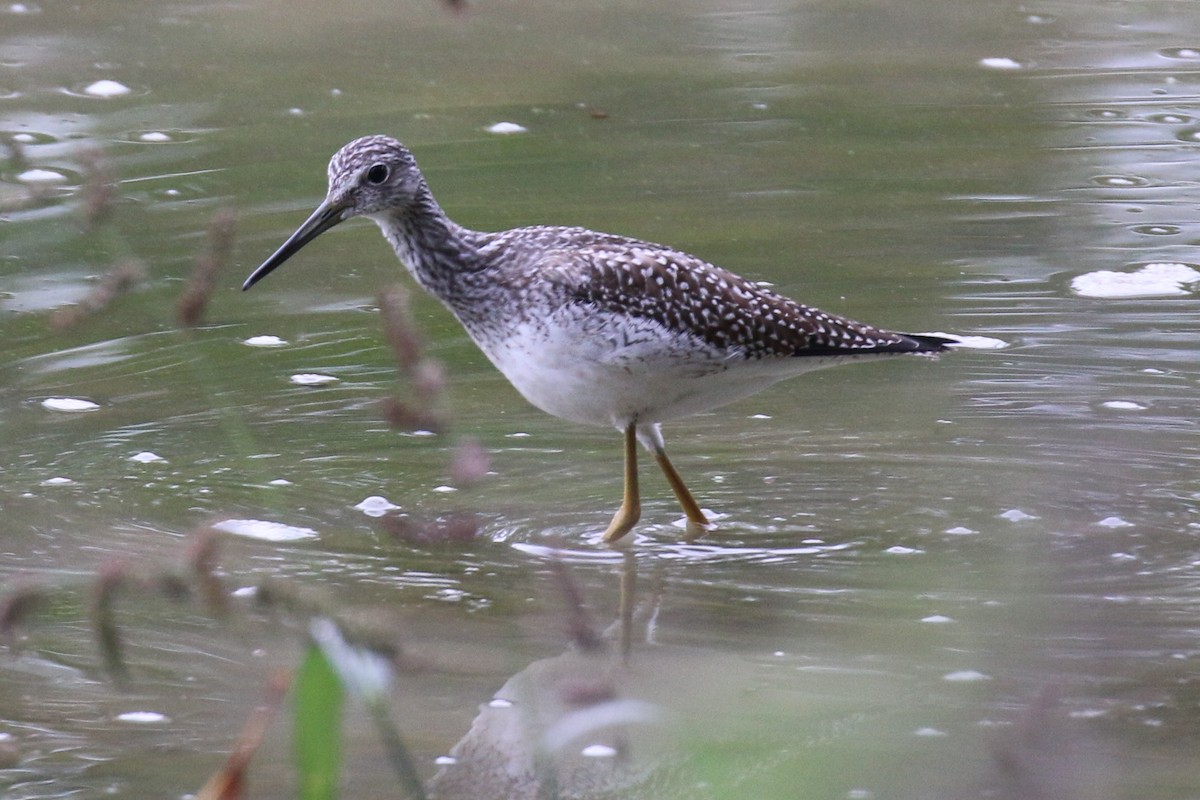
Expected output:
(592, 327)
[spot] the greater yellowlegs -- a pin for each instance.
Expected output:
(592, 327)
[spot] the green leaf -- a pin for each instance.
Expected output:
(317, 698)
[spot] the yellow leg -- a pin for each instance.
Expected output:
(697, 522)
(631, 506)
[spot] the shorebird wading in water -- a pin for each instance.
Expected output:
(592, 327)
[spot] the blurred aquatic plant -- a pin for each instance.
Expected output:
(425, 376)
(207, 268)
(99, 189)
(118, 281)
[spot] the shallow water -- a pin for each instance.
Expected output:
(974, 577)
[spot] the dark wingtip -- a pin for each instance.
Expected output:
(929, 343)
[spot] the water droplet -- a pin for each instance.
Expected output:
(965, 676)
(146, 457)
(1114, 522)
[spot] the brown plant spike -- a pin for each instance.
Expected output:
(118, 281)
(207, 268)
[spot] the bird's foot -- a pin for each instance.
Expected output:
(695, 528)
(623, 522)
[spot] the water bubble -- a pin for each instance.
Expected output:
(1184, 53)
(1169, 119)
(313, 379)
(1161, 279)
(31, 137)
(1123, 405)
(598, 751)
(1156, 230)
(42, 177)
(69, 404)
(143, 717)
(146, 457)
(965, 676)
(1188, 134)
(506, 128)
(264, 530)
(1114, 522)
(159, 137)
(1105, 113)
(106, 88)
(264, 341)
(1000, 62)
(1120, 181)
(376, 506)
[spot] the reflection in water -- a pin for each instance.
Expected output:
(563, 726)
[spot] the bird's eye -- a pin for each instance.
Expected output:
(377, 174)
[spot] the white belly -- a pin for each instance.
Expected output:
(609, 370)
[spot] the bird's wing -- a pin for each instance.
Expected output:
(725, 311)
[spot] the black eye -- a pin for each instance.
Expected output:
(377, 174)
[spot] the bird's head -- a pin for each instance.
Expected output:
(370, 176)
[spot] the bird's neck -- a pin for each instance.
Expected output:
(439, 253)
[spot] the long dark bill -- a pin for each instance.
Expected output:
(325, 217)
